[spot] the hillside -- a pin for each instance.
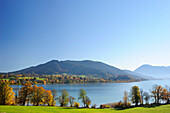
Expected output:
(85, 67)
(154, 71)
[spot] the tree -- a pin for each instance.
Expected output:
(16, 95)
(48, 98)
(125, 98)
(142, 96)
(24, 93)
(76, 104)
(168, 94)
(164, 95)
(87, 101)
(63, 99)
(37, 95)
(71, 100)
(157, 93)
(6, 93)
(135, 94)
(146, 97)
(82, 96)
(54, 93)
(153, 91)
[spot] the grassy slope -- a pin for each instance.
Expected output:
(46, 109)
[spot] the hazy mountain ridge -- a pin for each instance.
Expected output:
(137, 75)
(85, 67)
(154, 71)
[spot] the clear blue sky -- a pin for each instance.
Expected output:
(123, 33)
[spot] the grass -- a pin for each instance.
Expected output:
(47, 109)
(32, 78)
(4, 79)
(26, 77)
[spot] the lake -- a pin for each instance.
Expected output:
(102, 93)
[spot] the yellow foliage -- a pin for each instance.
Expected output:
(6, 93)
(76, 104)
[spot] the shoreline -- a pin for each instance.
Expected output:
(88, 82)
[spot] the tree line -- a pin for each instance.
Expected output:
(61, 79)
(35, 95)
(158, 94)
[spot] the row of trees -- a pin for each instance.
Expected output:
(28, 93)
(158, 93)
(62, 79)
(64, 99)
(38, 96)
(137, 96)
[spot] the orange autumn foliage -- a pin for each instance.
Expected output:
(6, 93)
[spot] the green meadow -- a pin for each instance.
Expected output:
(47, 109)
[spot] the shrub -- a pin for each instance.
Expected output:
(104, 106)
(120, 105)
(94, 106)
(76, 104)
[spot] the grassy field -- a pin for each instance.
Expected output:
(46, 109)
(32, 78)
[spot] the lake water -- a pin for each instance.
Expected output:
(102, 93)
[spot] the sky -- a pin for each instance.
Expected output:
(123, 33)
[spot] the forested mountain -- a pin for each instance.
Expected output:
(85, 67)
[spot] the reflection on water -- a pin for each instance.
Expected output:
(101, 93)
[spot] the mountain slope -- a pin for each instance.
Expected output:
(100, 66)
(154, 71)
(137, 75)
(85, 67)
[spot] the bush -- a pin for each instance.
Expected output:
(120, 105)
(94, 106)
(104, 106)
(76, 104)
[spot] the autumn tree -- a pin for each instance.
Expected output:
(135, 95)
(153, 91)
(48, 98)
(142, 96)
(76, 104)
(164, 95)
(6, 93)
(157, 93)
(168, 94)
(16, 95)
(146, 97)
(64, 99)
(87, 101)
(71, 100)
(82, 96)
(24, 93)
(37, 94)
(125, 98)
(54, 93)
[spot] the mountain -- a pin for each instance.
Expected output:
(154, 71)
(85, 67)
(137, 75)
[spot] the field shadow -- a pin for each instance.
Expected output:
(73, 108)
(152, 106)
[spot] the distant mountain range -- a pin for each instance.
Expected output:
(137, 75)
(154, 71)
(85, 67)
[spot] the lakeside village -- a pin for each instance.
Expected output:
(18, 79)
